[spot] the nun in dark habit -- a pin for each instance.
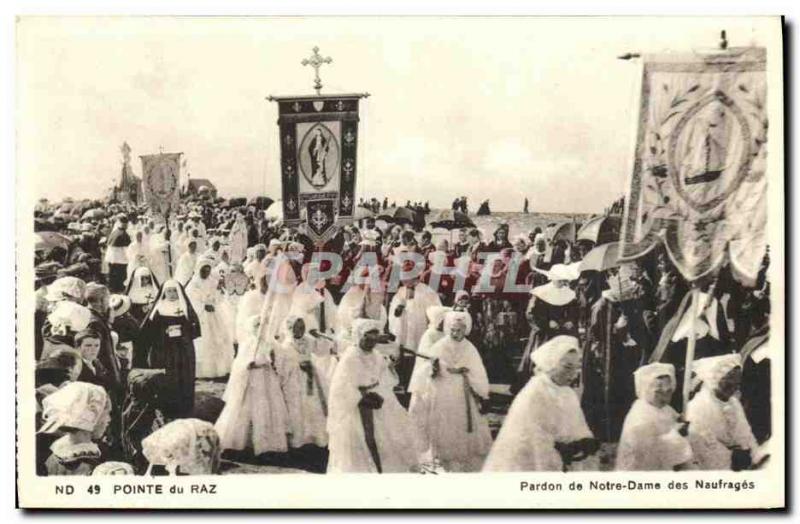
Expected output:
(166, 341)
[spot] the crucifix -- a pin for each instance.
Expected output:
(316, 61)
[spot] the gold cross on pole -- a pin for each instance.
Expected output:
(316, 61)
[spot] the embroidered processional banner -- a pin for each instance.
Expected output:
(319, 138)
(161, 182)
(698, 181)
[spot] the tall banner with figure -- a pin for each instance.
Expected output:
(319, 138)
(161, 181)
(698, 183)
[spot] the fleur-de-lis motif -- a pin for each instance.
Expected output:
(288, 140)
(346, 202)
(291, 204)
(340, 105)
(289, 170)
(319, 219)
(348, 169)
(296, 106)
(349, 137)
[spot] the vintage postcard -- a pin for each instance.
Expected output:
(417, 262)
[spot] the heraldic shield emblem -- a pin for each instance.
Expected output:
(320, 219)
(318, 155)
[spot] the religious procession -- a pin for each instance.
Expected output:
(178, 332)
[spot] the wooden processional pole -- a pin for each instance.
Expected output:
(691, 341)
(169, 244)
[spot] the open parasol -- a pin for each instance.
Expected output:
(361, 213)
(601, 258)
(450, 219)
(398, 215)
(387, 214)
(601, 230)
(261, 202)
(237, 202)
(564, 231)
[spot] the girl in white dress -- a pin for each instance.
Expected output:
(302, 363)
(432, 335)
(251, 303)
(369, 430)
(447, 405)
(215, 346)
(719, 432)
(255, 413)
(137, 253)
(653, 436)
(184, 268)
(545, 429)
(160, 256)
(237, 239)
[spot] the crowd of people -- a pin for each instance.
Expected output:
(460, 204)
(377, 205)
(381, 350)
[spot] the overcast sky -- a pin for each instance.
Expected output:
(488, 108)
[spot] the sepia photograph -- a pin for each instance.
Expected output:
(519, 262)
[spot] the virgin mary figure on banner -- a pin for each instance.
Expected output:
(318, 149)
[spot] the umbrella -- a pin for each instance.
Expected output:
(601, 258)
(398, 215)
(47, 240)
(600, 230)
(361, 213)
(563, 231)
(261, 202)
(232, 202)
(450, 219)
(387, 214)
(94, 213)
